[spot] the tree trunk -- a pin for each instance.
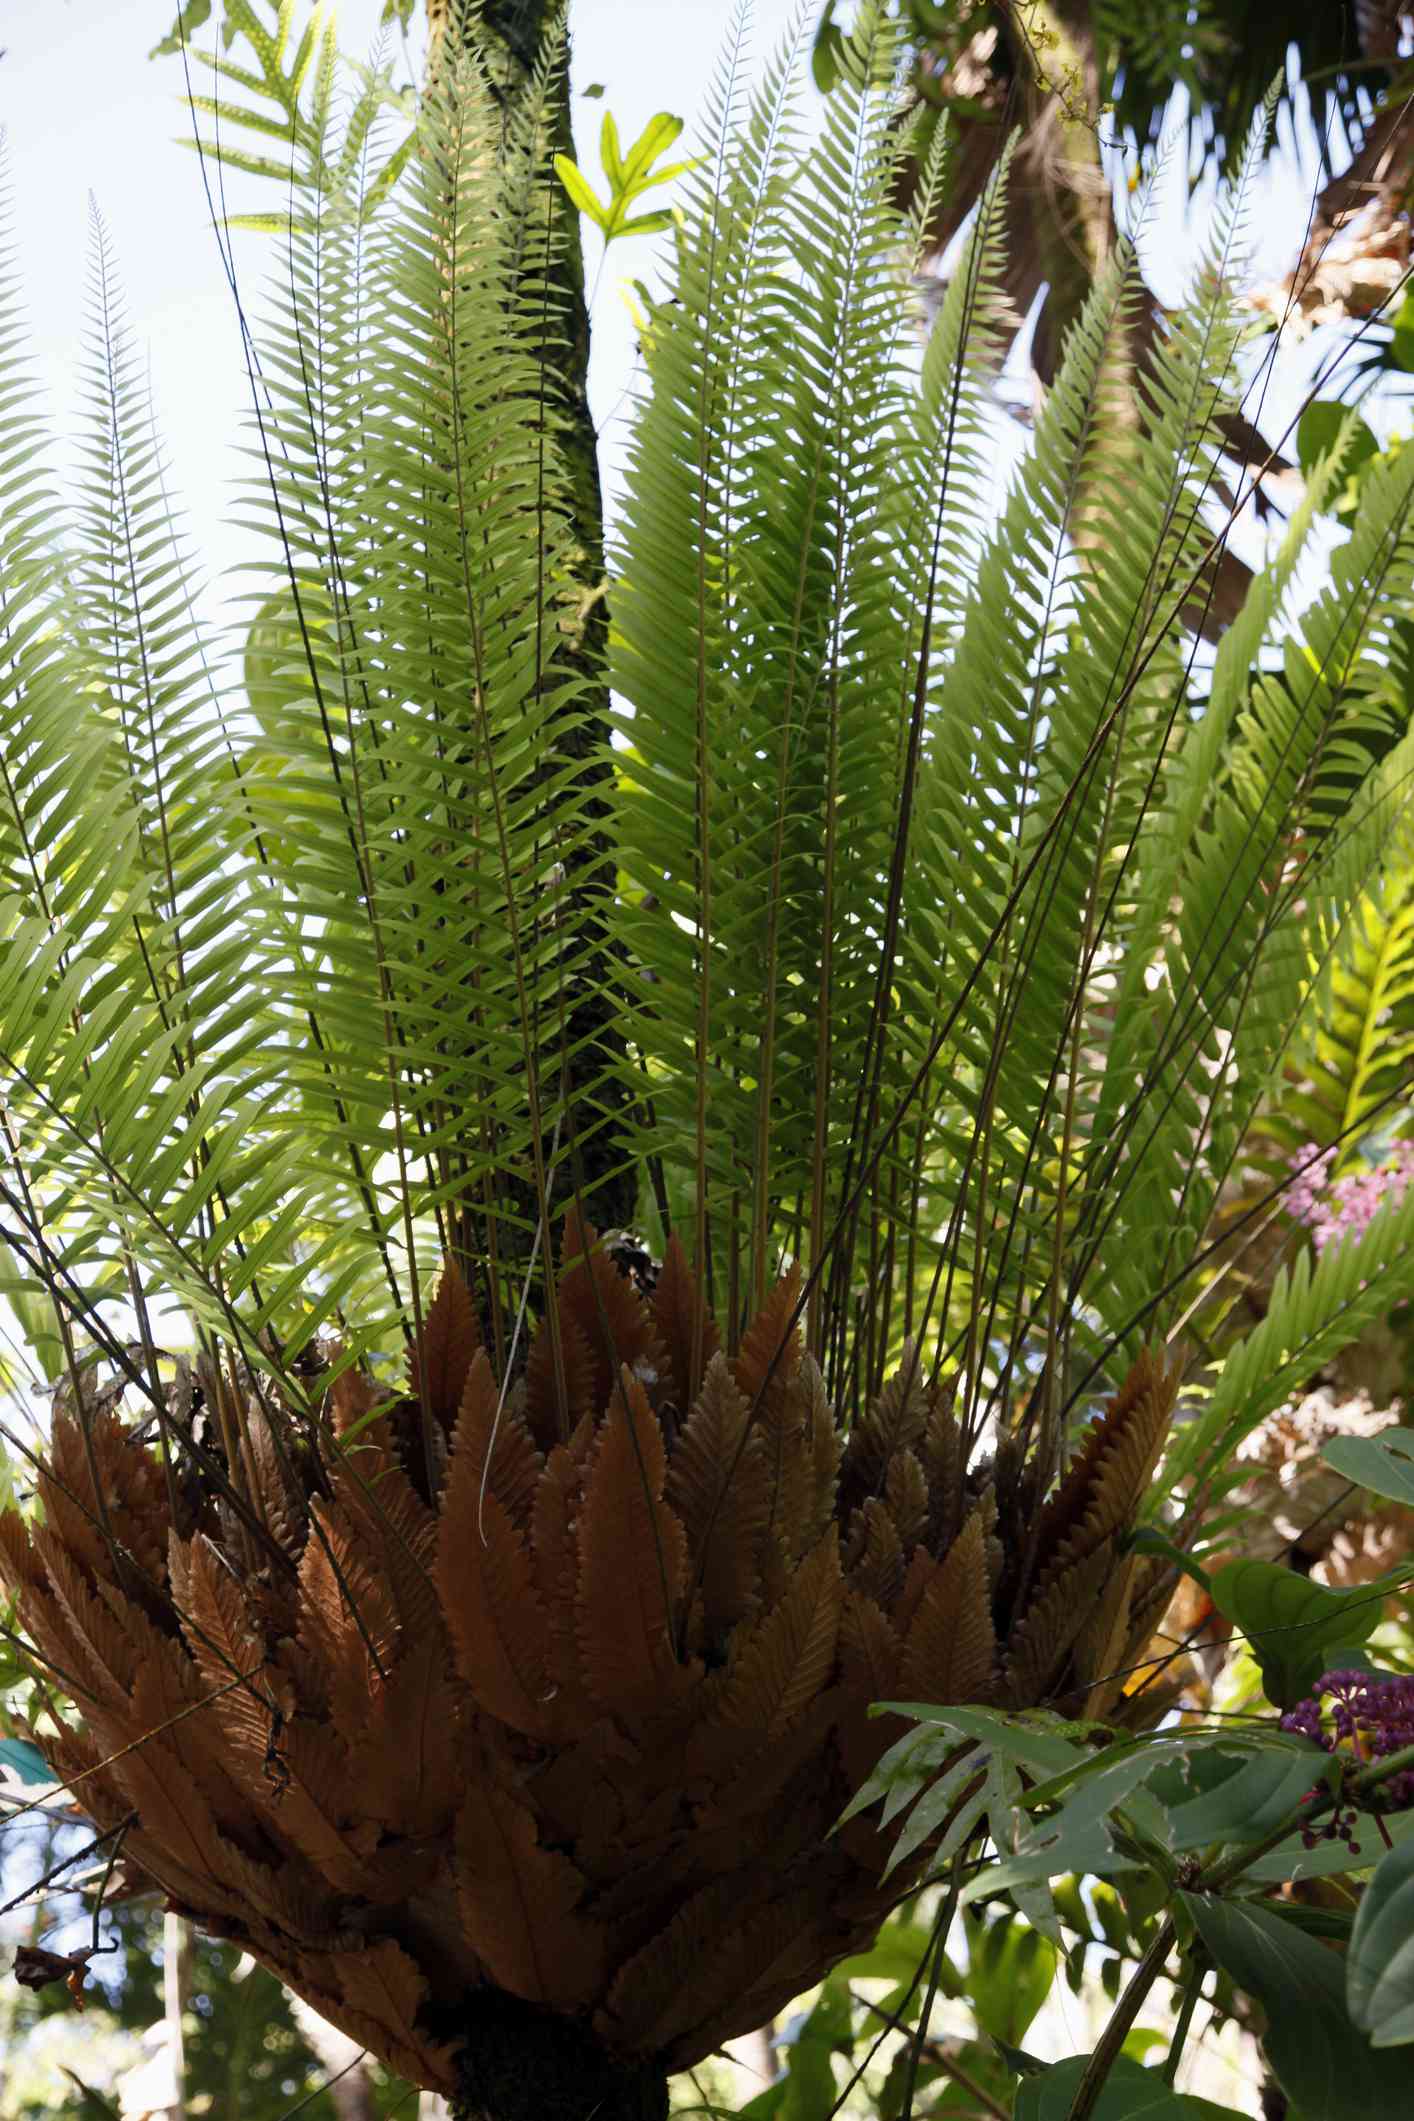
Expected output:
(596, 1007)
(520, 2062)
(176, 1953)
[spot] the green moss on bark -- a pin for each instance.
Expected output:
(596, 1011)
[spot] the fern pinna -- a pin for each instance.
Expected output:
(527, 1778)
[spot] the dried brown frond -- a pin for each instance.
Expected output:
(566, 1729)
(786, 1657)
(770, 1351)
(906, 1498)
(443, 1355)
(680, 1314)
(719, 1485)
(520, 1905)
(542, 1407)
(896, 1421)
(1109, 1473)
(874, 1558)
(490, 1598)
(632, 1562)
(950, 1651)
(1037, 1647)
(607, 1310)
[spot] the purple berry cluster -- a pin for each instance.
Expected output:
(1333, 1209)
(1364, 1716)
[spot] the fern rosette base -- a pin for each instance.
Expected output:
(512, 1730)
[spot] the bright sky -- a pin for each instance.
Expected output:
(86, 110)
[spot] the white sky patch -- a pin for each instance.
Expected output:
(86, 110)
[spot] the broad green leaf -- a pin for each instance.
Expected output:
(609, 154)
(1030, 1854)
(1383, 1464)
(1126, 1762)
(1249, 1798)
(909, 1763)
(825, 51)
(649, 224)
(1379, 1966)
(1019, 2062)
(25, 1763)
(1293, 1625)
(945, 1800)
(1330, 1859)
(985, 2066)
(896, 1954)
(805, 2088)
(1033, 1737)
(190, 18)
(655, 139)
(1336, 1922)
(1325, 2064)
(1010, 1968)
(1148, 1539)
(1173, 1790)
(1131, 2093)
(1402, 344)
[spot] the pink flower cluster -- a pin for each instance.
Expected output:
(1333, 1209)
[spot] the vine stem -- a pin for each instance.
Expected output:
(1368, 1779)
(1380, 1771)
(1125, 2012)
(1122, 2017)
(1185, 2015)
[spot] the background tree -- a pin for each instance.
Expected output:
(1091, 86)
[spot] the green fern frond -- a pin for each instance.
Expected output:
(1356, 1050)
(1315, 1309)
(958, 932)
(290, 75)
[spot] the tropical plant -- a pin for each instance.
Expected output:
(952, 939)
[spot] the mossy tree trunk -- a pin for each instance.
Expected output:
(595, 1010)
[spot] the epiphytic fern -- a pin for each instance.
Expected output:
(953, 934)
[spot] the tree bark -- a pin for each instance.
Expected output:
(1042, 74)
(521, 2062)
